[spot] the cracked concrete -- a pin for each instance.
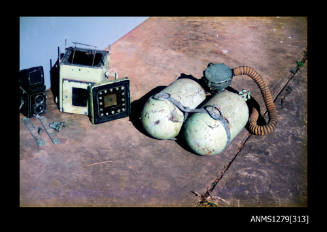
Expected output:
(272, 170)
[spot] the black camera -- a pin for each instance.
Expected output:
(32, 91)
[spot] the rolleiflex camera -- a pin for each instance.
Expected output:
(32, 91)
(81, 85)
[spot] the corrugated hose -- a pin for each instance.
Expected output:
(273, 118)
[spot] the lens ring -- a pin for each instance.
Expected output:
(39, 109)
(39, 99)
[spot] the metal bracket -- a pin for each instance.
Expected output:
(33, 131)
(245, 94)
(57, 125)
(83, 44)
(51, 134)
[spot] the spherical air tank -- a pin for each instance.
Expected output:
(161, 117)
(207, 136)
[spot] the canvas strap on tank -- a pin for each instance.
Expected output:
(213, 111)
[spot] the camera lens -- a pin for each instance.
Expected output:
(39, 99)
(39, 109)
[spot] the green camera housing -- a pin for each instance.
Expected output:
(109, 100)
(80, 84)
(80, 68)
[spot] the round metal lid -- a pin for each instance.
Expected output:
(218, 76)
(218, 73)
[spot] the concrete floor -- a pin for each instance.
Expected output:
(271, 170)
(264, 171)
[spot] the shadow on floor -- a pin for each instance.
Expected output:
(137, 107)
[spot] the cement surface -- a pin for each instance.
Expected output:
(271, 171)
(117, 164)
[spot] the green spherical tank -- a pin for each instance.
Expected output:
(207, 136)
(161, 118)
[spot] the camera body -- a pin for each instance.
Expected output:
(78, 69)
(80, 77)
(32, 91)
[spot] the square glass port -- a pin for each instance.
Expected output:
(79, 97)
(110, 100)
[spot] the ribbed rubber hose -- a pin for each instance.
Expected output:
(254, 127)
